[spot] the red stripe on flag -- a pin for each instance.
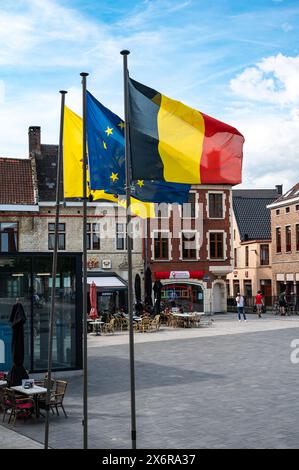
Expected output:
(222, 154)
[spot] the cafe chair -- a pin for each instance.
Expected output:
(155, 323)
(16, 407)
(145, 324)
(56, 400)
(109, 327)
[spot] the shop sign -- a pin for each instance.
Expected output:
(179, 275)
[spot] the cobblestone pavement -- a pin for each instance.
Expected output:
(229, 386)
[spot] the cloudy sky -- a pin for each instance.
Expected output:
(236, 60)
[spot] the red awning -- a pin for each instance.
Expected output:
(179, 274)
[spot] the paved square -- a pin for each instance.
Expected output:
(221, 387)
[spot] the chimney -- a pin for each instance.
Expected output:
(34, 139)
(279, 189)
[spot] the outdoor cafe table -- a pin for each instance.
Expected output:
(96, 326)
(33, 392)
(188, 316)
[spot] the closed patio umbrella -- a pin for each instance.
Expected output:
(148, 287)
(157, 290)
(93, 314)
(137, 288)
(18, 371)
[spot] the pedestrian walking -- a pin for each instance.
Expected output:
(240, 306)
(259, 302)
(282, 303)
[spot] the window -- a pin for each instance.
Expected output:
(288, 238)
(188, 208)
(235, 258)
(216, 245)
(297, 207)
(297, 237)
(121, 237)
(236, 287)
(234, 234)
(246, 256)
(264, 255)
(277, 211)
(8, 237)
(278, 240)
(287, 210)
(161, 210)
(93, 236)
(189, 245)
(248, 288)
(161, 247)
(61, 236)
(216, 205)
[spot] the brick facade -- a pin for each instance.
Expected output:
(285, 263)
(214, 271)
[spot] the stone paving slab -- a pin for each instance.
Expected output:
(10, 439)
(221, 325)
(237, 390)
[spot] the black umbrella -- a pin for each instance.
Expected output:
(148, 287)
(137, 288)
(157, 290)
(17, 319)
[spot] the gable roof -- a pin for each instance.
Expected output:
(16, 182)
(252, 216)
(292, 194)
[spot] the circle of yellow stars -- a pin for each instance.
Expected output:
(109, 131)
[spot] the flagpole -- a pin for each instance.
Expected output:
(54, 270)
(84, 277)
(125, 54)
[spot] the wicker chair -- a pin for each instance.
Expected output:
(56, 400)
(22, 407)
(145, 324)
(109, 327)
(155, 323)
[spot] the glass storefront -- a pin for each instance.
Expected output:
(190, 297)
(28, 277)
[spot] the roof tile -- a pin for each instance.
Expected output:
(16, 181)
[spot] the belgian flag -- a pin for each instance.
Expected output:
(172, 142)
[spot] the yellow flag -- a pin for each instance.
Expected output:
(72, 154)
(73, 170)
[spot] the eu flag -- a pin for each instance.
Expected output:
(106, 159)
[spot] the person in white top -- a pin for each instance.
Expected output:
(240, 306)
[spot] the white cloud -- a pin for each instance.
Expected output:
(275, 80)
(269, 120)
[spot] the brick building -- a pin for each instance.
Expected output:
(285, 244)
(27, 216)
(189, 249)
(106, 256)
(252, 243)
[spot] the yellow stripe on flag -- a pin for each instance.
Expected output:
(145, 210)
(181, 131)
(72, 154)
(73, 171)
